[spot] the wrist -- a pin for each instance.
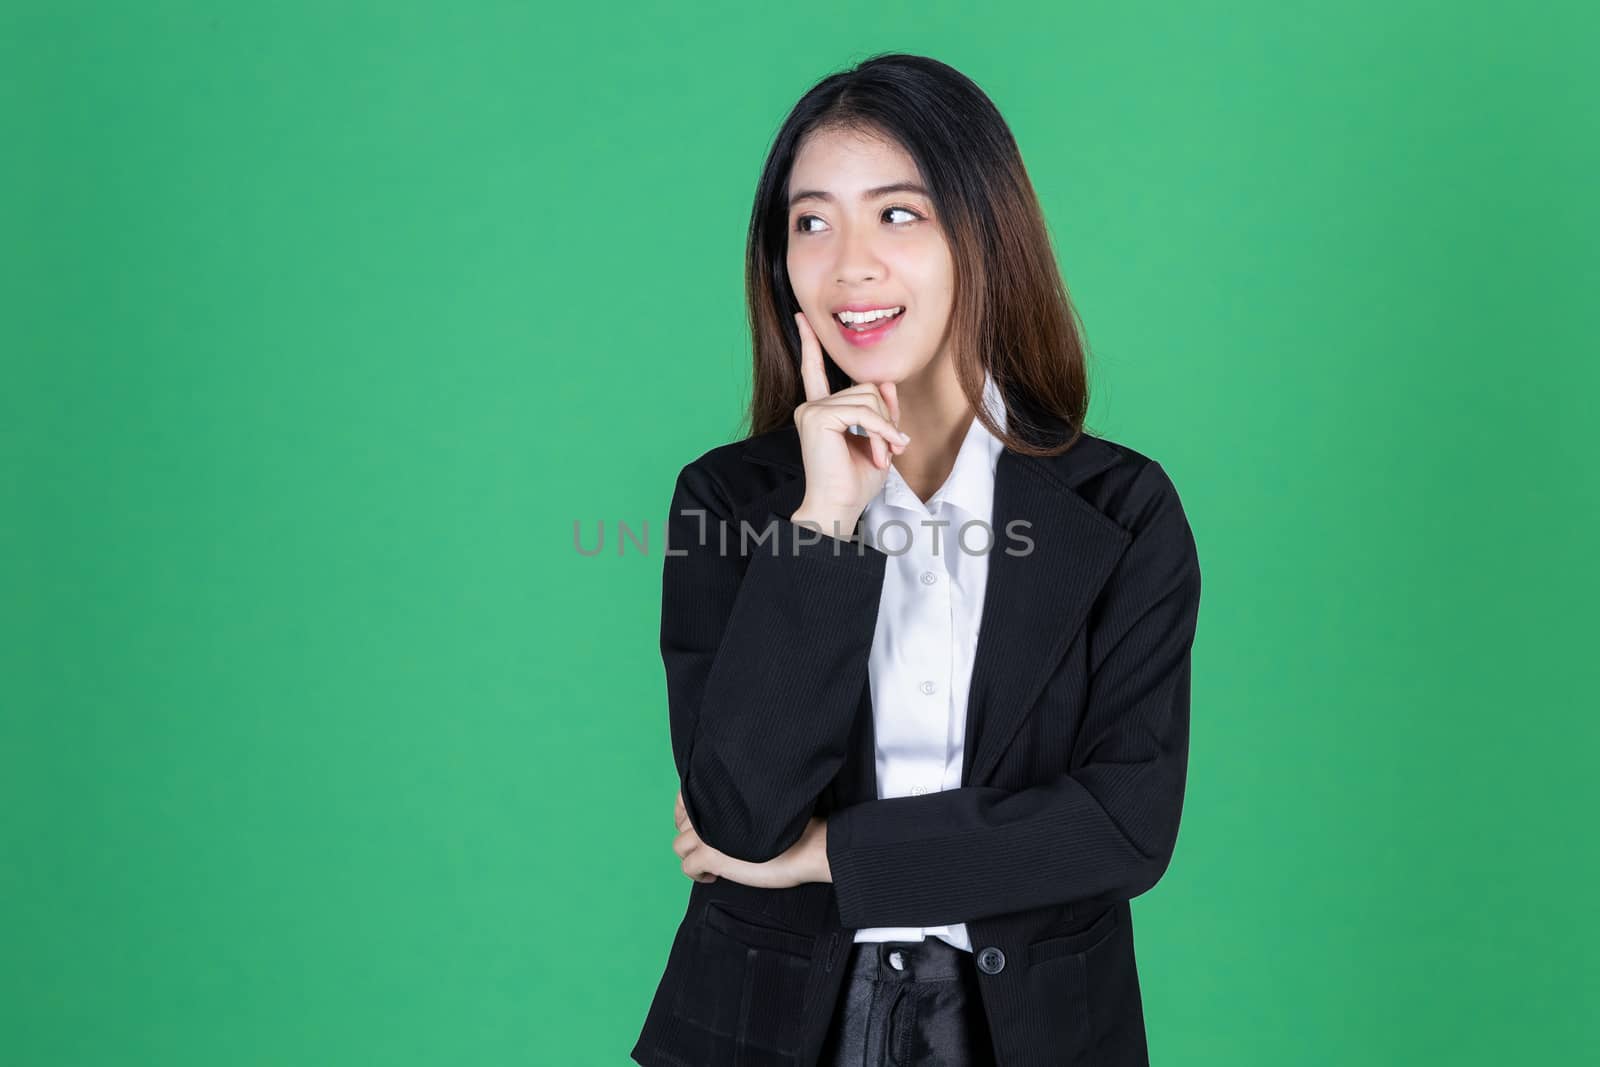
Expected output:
(831, 521)
(825, 872)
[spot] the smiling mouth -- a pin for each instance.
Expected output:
(869, 325)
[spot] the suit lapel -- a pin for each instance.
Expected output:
(1037, 597)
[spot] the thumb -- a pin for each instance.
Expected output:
(892, 399)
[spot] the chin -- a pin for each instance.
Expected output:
(886, 368)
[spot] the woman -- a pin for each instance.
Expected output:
(927, 642)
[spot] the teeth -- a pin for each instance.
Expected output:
(858, 317)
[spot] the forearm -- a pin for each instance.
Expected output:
(761, 721)
(973, 852)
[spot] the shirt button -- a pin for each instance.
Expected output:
(928, 687)
(991, 960)
(928, 577)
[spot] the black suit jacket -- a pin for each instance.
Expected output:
(1072, 779)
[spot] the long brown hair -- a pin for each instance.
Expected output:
(1011, 314)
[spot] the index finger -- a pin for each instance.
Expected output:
(811, 372)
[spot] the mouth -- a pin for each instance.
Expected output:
(868, 326)
(868, 320)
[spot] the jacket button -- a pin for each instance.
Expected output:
(991, 960)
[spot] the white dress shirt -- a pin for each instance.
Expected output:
(920, 666)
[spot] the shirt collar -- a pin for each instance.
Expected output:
(970, 486)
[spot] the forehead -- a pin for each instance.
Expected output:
(844, 161)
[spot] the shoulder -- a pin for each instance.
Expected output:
(727, 476)
(1133, 490)
(1122, 483)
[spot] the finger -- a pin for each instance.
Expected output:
(891, 398)
(866, 422)
(879, 448)
(811, 371)
(686, 842)
(868, 419)
(701, 876)
(865, 393)
(696, 865)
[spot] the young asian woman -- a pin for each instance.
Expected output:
(927, 640)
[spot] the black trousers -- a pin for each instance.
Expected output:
(909, 1002)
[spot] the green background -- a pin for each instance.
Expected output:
(323, 324)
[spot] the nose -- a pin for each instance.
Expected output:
(858, 260)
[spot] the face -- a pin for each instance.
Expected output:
(863, 236)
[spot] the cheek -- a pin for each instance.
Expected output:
(926, 268)
(803, 273)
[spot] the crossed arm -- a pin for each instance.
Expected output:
(764, 677)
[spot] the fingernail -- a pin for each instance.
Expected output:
(904, 437)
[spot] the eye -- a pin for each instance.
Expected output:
(800, 222)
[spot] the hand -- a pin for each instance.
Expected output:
(804, 861)
(843, 470)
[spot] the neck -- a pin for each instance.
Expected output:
(935, 412)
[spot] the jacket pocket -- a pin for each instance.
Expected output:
(746, 981)
(757, 934)
(1076, 942)
(1059, 981)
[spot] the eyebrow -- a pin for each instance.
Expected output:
(870, 194)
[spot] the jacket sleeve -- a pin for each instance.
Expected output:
(1104, 828)
(765, 664)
